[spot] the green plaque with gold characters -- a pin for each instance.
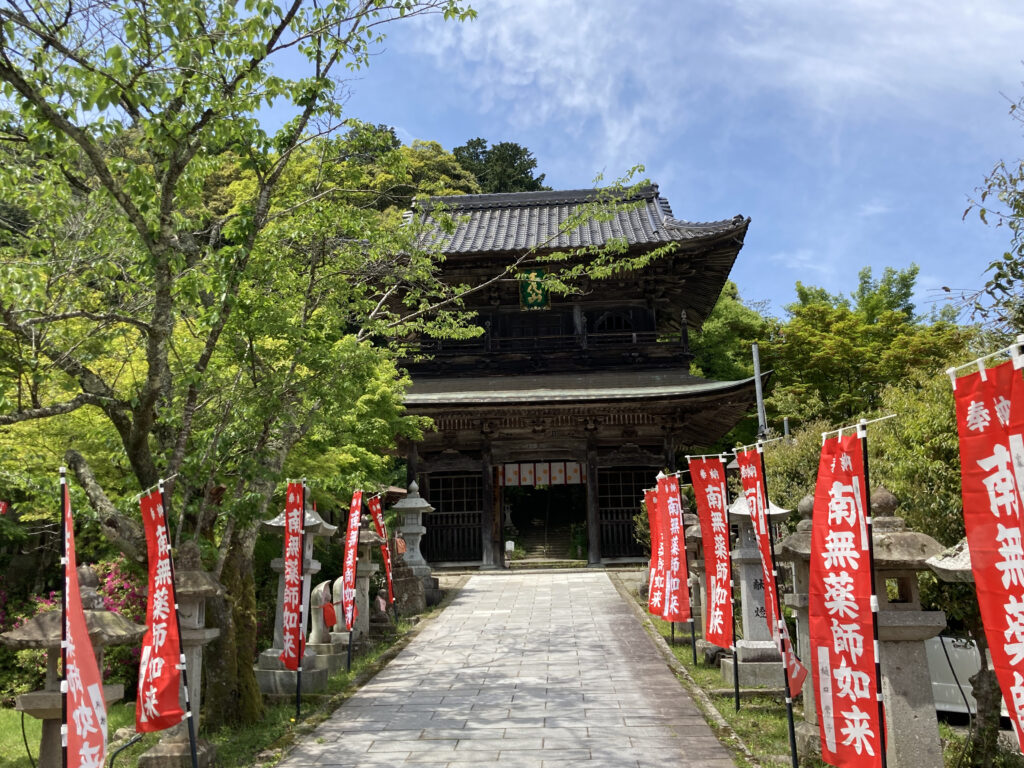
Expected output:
(533, 294)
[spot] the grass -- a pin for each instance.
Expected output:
(761, 723)
(260, 744)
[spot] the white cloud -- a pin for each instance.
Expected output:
(628, 77)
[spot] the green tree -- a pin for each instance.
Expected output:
(1000, 201)
(832, 357)
(143, 277)
(502, 167)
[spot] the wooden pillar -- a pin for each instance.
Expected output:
(670, 452)
(593, 518)
(487, 506)
(411, 462)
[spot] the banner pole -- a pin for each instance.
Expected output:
(732, 596)
(862, 433)
(302, 602)
(181, 642)
(64, 620)
(778, 614)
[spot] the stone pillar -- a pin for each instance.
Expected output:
(760, 663)
(593, 509)
(697, 577)
(271, 675)
(487, 509)
(192, 588)
(903, 628)
(365, 568)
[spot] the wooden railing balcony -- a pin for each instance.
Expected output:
(497, 354)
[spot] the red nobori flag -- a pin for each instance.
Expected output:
(756, 495)
(656, 571)
(293, 641)
(158, 705)
(989, 410)
(841, 623)
(677, 592)
(86, 739)
(708, 478)
(348, 594)
(378, 522)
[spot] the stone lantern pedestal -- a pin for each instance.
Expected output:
(44, 631)
(757, 657)
(192, 587)
(271, 674)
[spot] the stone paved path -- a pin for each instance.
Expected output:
(523, 671)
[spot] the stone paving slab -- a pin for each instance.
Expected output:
(533, 670)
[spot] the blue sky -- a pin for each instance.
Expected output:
(851, 132)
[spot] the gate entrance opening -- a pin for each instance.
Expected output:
(546, 522)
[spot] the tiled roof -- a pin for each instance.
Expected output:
(567, 388)
(519, 221)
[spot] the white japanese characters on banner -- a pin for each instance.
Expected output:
(158, 705)
(292, 614)
(677, 588)
(990, 422)
(86, 736)
(754, 491)
(841, 623)
(348, 594)
(656, 572)
(708, 478)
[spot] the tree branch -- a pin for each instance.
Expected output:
(53, 410)
(126, 533)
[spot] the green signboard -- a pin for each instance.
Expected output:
(533, 294)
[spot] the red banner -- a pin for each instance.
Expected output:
(378, 523)
(293, 640)
(677, 591)
(708, 478)
(841, 623)
(158, 705)
(348, 595)
(756, 494)
(656, 571)
(83, 687)
(4, 507)
(990, 421)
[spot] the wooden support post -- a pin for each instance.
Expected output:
(593, 516)
(487, 507)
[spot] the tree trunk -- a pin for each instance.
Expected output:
(232, 696)
(982, 748)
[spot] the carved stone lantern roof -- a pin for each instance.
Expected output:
(43, 631)
(412, 502)
(313, 523)
(740, 510)
(953, 564)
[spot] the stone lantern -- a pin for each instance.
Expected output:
(271, 674)
(411, 510)
(44, 631)
(192, 587)
(695, 560)
(903, 627)
(758, 657)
